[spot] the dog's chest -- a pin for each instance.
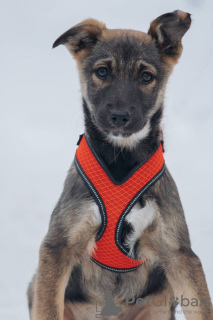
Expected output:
(134, 224)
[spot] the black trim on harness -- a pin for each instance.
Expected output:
(79, 139)
(97, 197)
(114, 269)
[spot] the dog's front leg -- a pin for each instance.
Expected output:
(184, 269)
(173, 248)
(52, 277)
(71, 235)
(185, 274)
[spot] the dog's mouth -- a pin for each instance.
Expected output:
(119, 134)
(128, 139)
(122, 133)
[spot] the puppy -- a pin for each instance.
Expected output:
(118, 229)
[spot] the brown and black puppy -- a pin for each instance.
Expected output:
(123, 76)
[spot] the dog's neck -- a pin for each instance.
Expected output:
(121, 160)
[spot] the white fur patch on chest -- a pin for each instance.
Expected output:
(139, 218)
(96, 214)
(95, 219)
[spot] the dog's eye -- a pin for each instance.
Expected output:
(102, 73)
(146, 77)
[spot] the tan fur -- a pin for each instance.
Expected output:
(50, 285)
(174, 60)
(92, 22)
(89, 26)
(103, 63)
(149, 67)
(183, 15)
(109, 34)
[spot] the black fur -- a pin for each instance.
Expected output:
(75, 291)
(156, 282)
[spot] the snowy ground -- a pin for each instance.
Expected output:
(42, 119)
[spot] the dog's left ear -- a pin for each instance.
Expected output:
(168, 30)
(80, 39)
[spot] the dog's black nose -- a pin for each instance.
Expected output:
(119, 118)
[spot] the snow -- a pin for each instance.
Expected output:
(41, 120)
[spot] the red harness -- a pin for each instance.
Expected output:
(115, 200)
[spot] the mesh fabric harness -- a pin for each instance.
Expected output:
(115, 200)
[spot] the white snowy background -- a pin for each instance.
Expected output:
(41, 120)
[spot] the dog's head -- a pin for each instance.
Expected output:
(123, 73)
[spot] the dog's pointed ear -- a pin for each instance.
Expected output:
(82, 37)
(168, 30)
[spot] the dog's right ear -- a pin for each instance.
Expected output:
(81, 38)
